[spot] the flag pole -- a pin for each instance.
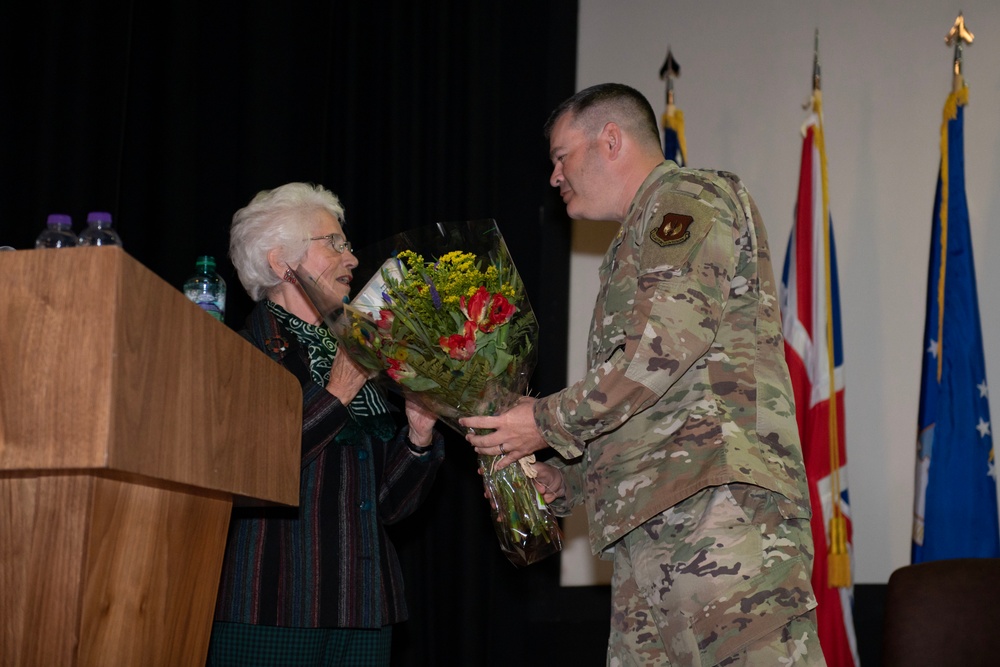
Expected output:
(959, 35)
(955, 500)
(816, 68)
(839, 559)
(811, 324)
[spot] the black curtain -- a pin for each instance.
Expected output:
(172, 115)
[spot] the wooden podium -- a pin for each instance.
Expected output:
(130, 421)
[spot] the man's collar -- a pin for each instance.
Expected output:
(654, 175)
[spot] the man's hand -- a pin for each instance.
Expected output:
(549, 482)
(514, 436)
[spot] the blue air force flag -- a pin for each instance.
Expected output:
(955, 508)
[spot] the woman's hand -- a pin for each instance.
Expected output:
(421, 422)
(346, 378)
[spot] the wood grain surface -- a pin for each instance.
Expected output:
(130, 421)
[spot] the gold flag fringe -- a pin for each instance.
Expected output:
(957, 98)
(838, 556)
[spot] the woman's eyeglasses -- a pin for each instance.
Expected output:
(336, 241)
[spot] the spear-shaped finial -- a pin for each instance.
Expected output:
(958, 36)
(816, 68)
(816, 82)
(669, 71)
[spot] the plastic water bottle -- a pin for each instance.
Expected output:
(99, 230)
(207, 288)
(57, 233)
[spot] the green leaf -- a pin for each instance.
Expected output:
(419, 383)
(501, 362)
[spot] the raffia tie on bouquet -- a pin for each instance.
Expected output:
(527, 463)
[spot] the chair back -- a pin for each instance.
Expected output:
(943, 613)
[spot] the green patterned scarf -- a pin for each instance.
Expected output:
(369, 409)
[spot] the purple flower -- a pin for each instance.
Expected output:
(435, 297)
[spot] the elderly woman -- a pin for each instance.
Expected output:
(319, 584)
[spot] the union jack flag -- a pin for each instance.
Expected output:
(810, 309)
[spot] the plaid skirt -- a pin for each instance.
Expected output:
(244, 645)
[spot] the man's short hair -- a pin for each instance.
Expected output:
(595, 106)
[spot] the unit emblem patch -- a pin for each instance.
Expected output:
(673, 229)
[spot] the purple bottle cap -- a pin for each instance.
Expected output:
(59, 220)
(98, 216)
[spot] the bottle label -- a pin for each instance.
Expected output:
(214, 307)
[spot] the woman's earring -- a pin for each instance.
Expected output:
(289, 277)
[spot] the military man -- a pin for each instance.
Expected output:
(681, 439)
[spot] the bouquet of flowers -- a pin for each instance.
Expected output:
(446, 319)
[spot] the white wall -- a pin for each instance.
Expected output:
(746, 73)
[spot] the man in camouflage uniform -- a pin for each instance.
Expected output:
(681, 439)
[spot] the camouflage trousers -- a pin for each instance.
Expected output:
(721, 578)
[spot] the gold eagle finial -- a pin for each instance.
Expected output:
(958, 36)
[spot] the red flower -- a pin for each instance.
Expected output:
(475, 308)
(487, 311)
(385, 319)
(460, 346)
(501, 310)
(398, 370)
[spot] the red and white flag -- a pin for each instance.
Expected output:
(810, 310)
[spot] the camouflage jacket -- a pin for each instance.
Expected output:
(688, 386)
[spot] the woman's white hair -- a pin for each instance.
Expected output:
(277, 219)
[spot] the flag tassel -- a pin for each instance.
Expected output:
(838, 559)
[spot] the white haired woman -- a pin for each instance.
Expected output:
(319, 584)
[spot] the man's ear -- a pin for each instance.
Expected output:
(611, 139)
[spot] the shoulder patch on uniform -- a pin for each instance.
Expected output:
(673, 230)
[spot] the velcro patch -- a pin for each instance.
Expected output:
(673, 230)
